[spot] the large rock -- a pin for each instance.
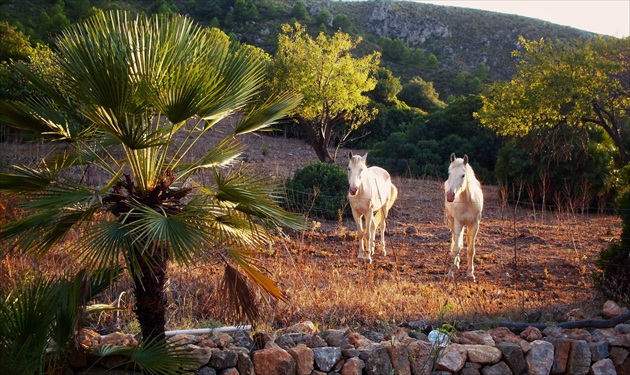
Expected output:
(399, 356)
(561, 349)
(223, 359)
(513, 356)
(421, 356)
(326, 358)
(353, 366)
(200, 354)
(503, 334)
(539, 358)
(579, 358)
(451, 358)
(483, 354)
(477, 337)
(500, 368)
(245, 366)
(603, 367)
(611, 310)
(273, 361)
(376, 359)
(304, 358)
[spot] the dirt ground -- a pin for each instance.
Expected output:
(530, 265)
(538, 263)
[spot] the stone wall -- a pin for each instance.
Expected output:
(301, 350)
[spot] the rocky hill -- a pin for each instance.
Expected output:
(461, 38)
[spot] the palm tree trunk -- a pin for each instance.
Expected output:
(149, 282)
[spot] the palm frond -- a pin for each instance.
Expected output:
(267, 114)
(106, 243)
(37, 233)
(238, 302)
(251, 196)
(24, 182)
(259, 279)
(26, 315)
(223, 154)
(179, 233)
(152, 356)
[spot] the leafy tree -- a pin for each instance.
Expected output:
(299, 11)
(395, 49)
(245, 10)
(420, 94)
(163, 7)
(135, 115)
(571, 166)
(387, 87)
(331, 80)
(14, 45)
(51, 24)
(342, 22)
(579, 83)
(324, 17)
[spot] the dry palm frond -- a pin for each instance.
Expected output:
(238, 299)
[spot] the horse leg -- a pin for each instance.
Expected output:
(371, 233)
(457, 239)
(381, 226)
(358, 219)
(471, 235)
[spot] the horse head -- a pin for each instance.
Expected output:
(356, 165)
(456, 177)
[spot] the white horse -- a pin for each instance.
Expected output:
(463, 206)
(371, 194)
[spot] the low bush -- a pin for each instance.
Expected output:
(319, 190)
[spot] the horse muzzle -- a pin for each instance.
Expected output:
(353, 190)
(450, 196)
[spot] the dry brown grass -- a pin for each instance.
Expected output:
(529, 266)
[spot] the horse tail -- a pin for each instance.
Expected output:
(384, 211)
(393, 195)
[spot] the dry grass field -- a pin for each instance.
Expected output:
(531, 265)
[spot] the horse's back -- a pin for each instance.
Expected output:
(381, 187)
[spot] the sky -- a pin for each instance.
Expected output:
(608, 17)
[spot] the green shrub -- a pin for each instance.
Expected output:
(319, 190)
(614, 261)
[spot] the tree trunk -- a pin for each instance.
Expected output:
(149, 282)
(319, 144)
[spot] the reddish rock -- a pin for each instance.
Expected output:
(451, 358)
(503, 334)
(611, 310)
(353, 366)
(304, 358)
(531, 334)
(273, 361)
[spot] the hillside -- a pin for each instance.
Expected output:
(460, 38)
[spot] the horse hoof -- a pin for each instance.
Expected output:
(471, 278)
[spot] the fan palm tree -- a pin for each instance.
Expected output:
(132, 97)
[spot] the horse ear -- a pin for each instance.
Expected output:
(349, 154)
(453, 157)
(465, 159)
(365, 157)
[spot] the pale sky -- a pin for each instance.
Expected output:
(608, 17)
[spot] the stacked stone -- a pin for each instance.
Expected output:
(299, 350)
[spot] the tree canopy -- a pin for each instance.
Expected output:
(333, 83)
(583, 82)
